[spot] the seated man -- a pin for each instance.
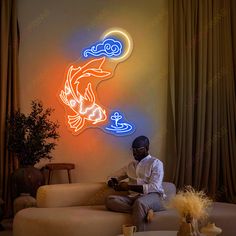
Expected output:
(146, 193)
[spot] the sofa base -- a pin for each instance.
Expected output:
(96, 220)
(81, 221)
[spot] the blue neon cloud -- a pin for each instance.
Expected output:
(118, 128)
(109, 48)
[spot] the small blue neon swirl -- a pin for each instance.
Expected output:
(119, 128)
(109, 48)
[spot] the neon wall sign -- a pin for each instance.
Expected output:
(108, 47)
(79, 94)
(117, 127)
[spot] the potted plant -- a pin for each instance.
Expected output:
(31, 138)
(192, 206)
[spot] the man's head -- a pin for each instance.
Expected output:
(140, 147)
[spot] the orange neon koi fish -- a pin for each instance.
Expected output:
(84, 106)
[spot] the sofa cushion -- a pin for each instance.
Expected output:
(78, 194)
(82, 194)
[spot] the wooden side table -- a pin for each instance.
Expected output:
(59, 166)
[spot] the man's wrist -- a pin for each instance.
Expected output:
(136, 188)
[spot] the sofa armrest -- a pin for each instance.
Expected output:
(170, 189)
(77, 194)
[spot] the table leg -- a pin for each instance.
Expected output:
(69, 177)
(49, 176)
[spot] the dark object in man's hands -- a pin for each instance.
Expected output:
(113, 182)
(122, 186)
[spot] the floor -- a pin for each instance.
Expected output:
(7, 224)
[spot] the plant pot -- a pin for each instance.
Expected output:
(26, 180)
(24, 201)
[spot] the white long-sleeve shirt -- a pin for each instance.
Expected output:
(148, 172)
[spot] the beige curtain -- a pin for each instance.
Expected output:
(202, 95)
(8, 90)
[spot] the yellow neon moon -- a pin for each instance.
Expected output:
(125, 38)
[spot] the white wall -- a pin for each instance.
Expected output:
(52, 36)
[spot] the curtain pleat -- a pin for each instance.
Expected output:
(202, 95)
(8, 91)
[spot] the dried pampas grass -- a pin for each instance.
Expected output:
(191, 203)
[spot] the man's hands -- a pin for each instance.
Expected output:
(113, 182)
(118, 186)
(124, 186)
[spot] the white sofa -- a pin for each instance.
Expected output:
(78, 210)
